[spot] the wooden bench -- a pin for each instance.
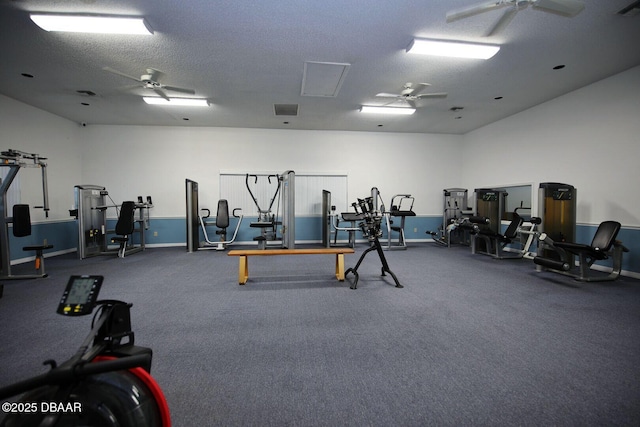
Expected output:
(244, 254)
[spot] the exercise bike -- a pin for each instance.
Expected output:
(106, 383)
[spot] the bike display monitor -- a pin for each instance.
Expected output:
(80, 295)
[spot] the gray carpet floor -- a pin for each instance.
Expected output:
(469, 340)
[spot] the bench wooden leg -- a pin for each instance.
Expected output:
(340, 267)
(243, 270)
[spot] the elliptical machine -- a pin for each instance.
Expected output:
(107, 382)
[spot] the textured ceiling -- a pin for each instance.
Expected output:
(246, 56)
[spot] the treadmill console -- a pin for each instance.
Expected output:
(80, 295)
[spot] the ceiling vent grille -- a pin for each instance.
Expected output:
(286, 109)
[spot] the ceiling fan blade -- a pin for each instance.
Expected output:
(161, 93)
(568, 8)
(389, 95)
(120, 73)
(412, 103)
(466, 12)
(154, 75)
(417, 88)
(432, 95)
(179, 89)
(502, 23)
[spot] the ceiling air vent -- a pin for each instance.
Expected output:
(286, 109)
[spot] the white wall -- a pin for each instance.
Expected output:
(133, 160)
(32, 130)
(589, 138)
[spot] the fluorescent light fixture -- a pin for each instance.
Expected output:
(452, 49)
(92, 24)
(370, 109)
(182, 102)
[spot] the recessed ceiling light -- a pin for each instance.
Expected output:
(386, 110)
(452, 49)
(27, 75)
(92, 24)
(182, 102)
(558, 67)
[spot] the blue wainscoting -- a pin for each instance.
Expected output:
(172, 232)
(62, 235)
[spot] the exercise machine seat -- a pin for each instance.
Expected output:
(222, 217)
(22, 228)
(509, 234)
(601, 244)
(125, 226)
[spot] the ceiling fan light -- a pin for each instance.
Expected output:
(452, 49)
(171, 102)
(370, 109)
(92, 24)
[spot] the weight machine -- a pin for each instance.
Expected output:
(268, 221)
(107, 382)
(91, 204)
(13, 161)
(221, 223)
(197, 220)
(371, 229)
(331, 223)
(603, 246)
(397, 211)
(455, 225)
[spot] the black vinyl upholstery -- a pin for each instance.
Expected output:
(126, 220)
(510, 233)
(601, 244)
(22, 228)
(21, 221)
(222, 216)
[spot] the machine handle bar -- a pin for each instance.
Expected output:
(66, 374)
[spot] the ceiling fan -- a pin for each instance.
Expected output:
(150, 80)
(411, 93)
(567, 8)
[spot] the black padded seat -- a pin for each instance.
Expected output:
(125, 226)
(509, 234)
(601, 244)
(222, 217)
(22, 228)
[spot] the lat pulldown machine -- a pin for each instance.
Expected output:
(267, 220)
(370, 227)
(14, 160)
